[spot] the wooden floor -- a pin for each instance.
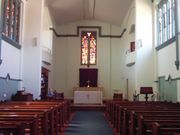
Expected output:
(93, 107)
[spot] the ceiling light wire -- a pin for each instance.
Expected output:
(83, 9)
(94, 9)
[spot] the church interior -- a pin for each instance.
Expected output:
(89, 67)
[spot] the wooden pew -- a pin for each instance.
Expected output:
(117, 120)
(56, 116)
(127, 119)
(63, 107)
(152, 114)
(118, 106)
(165, 128)
(30, 120)
(146, 126)
(12, 128)
(47, 119)
(114, 111)
(42, 121)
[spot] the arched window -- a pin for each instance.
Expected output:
(88, 47)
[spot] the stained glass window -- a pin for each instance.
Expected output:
(11, 19)
(88, 47)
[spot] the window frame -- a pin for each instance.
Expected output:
(14, 26)
(88, 58)
(169, 24)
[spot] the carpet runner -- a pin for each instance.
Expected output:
(88, 123)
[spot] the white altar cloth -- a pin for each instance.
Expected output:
(87, 97)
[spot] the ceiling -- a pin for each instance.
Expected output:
(110, 11)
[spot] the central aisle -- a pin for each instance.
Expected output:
(88, 123)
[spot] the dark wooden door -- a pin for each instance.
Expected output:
(44, 83)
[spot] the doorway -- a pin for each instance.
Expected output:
(44, 83)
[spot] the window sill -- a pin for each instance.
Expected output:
(11, 42)
(167, 43)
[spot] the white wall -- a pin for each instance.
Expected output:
(32, 53)
(10, 65)
(142, 72)
(11, 61)
(117, 61)
(166, 58)
(46, 32)
(67, 59)
(129, 72)
(178, 15)
(47, 43)
(25, 63)
(144, 55)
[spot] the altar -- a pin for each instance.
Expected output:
(88, 95)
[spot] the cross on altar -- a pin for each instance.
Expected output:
(88, 82)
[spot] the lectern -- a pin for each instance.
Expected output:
(146, 91)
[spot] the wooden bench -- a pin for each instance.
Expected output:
(127, 119)
(133, 121)
(12, 128)
(118, 112)
(146, 126)
(42, 121)
(116, 108)
(30, 120)
(55, 113)
(47, 119)
(62, 106)
(165, 128)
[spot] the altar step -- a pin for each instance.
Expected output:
(89, 107)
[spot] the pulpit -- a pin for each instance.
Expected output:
(88, 95)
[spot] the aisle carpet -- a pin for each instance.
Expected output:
(88, 123)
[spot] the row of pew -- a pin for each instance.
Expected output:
(144, 118)
(33, 117)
